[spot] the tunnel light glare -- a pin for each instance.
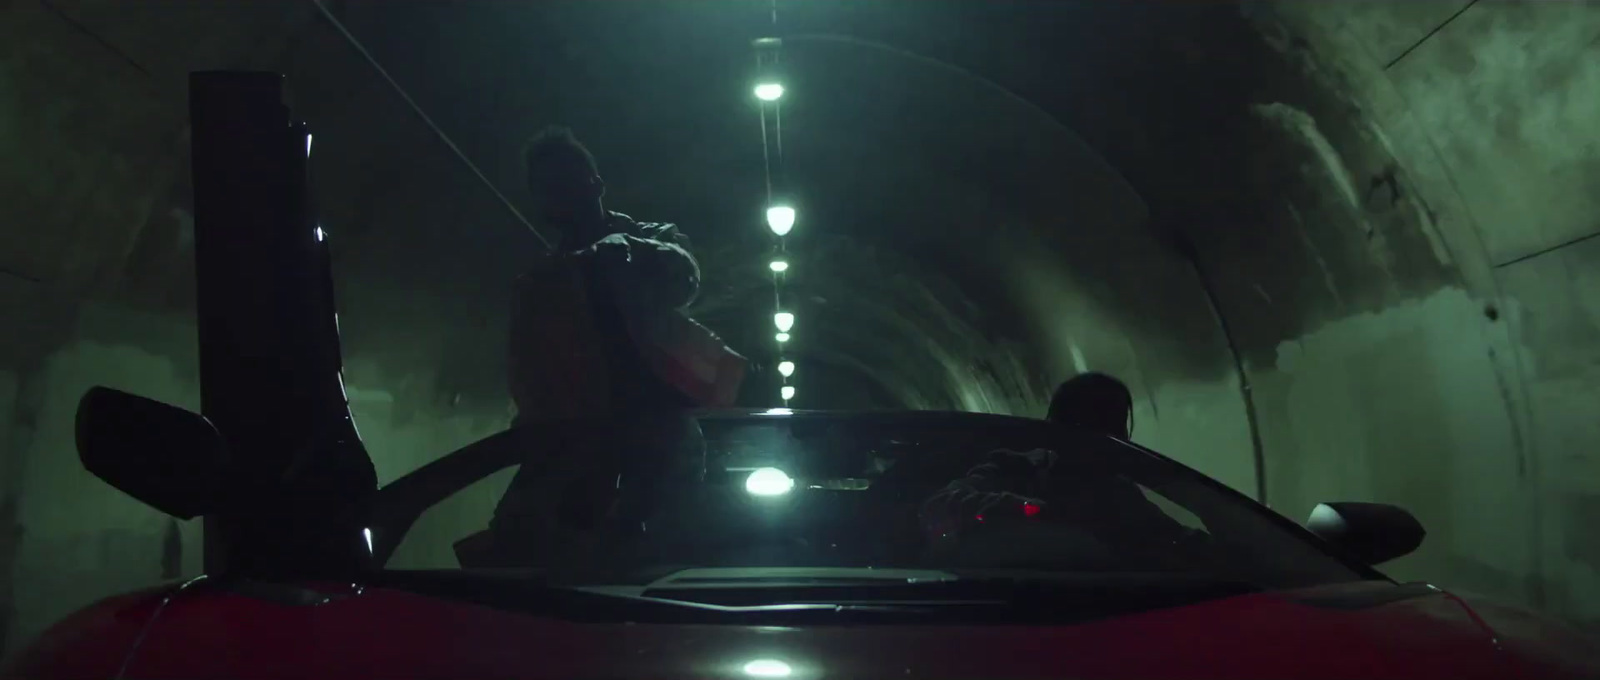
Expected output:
(779, 266)
(321, 235)
(767, 668)
(783, 337)
(786, 368)
(784, 321)
(768, 482)
(787, 392)
(308, 145)
(780, 218)
(769, 92)
(367, 534)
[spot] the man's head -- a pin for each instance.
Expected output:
(1095, 401)
(564, 181)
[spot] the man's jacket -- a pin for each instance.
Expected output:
(598, 331)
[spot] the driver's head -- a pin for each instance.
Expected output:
(1095, 401)
(565, 182)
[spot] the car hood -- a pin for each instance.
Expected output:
(1367, 630)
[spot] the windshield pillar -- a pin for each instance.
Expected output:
(269, 344)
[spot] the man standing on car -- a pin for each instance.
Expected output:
(601, 424)
(605, 267)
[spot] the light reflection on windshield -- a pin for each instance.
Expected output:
(768, 482)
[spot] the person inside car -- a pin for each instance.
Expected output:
(1012, 494)
(1096, 402)
(604, 429)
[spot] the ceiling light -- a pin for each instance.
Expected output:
(787, 392)
(784, 321)
(779, 266)
(780, 218)
(769, 92)
(786, 368)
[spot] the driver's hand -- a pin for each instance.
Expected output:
(1010, 506)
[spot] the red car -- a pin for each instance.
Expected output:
(804, 552)
(802, 555)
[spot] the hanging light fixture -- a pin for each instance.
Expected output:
(783, 337)
(787, 392)
(779, 266)
(784, 321)
(780, 218)
(769, 91)
(786, 368)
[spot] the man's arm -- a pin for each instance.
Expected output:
(651, 273)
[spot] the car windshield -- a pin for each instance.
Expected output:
(818, 499)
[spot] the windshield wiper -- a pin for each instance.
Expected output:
(934, 588)
(772, 576)
(531, 594)
(977, 600)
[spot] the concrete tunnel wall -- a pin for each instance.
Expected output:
(1417, 315)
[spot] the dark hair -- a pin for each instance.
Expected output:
(555, 147)
(1093, 399)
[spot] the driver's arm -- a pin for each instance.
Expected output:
(997, 490)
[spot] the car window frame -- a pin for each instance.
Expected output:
(402, 502)
(1280, 521)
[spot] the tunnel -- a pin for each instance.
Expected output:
(1339, 251)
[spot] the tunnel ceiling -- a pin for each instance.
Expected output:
(961, 242)
(994, 194)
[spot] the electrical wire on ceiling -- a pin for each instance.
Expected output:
(426, 120)
(781, 215)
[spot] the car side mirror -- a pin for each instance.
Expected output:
(168, 458)
(1371, 532)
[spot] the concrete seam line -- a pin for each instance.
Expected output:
(1546, 251)
(1246, 394)
(1407, 52)
(984, 81)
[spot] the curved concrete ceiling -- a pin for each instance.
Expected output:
(1337, 248)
